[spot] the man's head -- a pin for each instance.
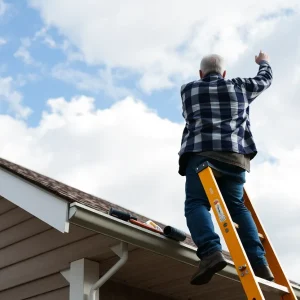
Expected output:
(212, 63)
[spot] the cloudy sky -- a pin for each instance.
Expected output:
(89, 95)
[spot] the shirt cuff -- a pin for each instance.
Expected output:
(264, 62)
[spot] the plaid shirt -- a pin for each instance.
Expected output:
(216, 112)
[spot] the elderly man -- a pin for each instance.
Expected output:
(216, 112)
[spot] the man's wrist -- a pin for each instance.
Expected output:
(263, 62)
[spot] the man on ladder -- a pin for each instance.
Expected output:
(217, 130)
(216, 149)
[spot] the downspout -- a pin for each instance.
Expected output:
(122, 251)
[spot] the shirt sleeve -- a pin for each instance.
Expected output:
(256, 85)
(182, 94)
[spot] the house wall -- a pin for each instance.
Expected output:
(23, 238)
(116, 291)
(32, 254)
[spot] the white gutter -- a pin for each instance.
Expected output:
(105, 224)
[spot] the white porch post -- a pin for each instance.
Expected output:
(82, 274)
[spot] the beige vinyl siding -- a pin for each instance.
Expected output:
(13, 217)
(5, 206)
(37, 287)
(58, 294)
(28, 228)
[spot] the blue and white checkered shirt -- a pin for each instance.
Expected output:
(216, 112)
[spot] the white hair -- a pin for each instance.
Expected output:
(212, 63)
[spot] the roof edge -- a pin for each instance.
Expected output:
(72, 194)
(105, 224)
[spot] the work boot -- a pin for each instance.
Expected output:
(208, 267)
(264, 272)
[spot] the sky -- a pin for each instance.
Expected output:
(90, 96)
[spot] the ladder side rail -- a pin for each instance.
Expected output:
(272, 258)
(236, 249)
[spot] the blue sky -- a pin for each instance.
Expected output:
(22, 22)
(19, 23)
(113, 72)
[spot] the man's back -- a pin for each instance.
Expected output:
(216, 112)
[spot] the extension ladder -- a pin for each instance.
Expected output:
(252, 285)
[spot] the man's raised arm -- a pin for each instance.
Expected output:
(256, 85)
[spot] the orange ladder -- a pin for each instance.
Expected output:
(252, 285)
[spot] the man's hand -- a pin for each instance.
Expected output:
(261, 56)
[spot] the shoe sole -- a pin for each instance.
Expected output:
(207, 276)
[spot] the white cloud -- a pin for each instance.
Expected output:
(273, 191)
(71, 53)
(274, 115)
(47, 39)
(3, 7)
(12, 98)
(101, 81)
(2, 41)
(23, 79)
(59, 71)
(165, 40)
(23, 52)
(128, 155)
(44, 35)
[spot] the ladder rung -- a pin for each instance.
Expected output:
(259, 234)
(269, 286)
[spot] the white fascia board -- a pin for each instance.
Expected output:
(35, 200)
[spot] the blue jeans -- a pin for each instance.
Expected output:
(197, 211)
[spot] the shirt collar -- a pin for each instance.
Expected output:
(212, 76)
